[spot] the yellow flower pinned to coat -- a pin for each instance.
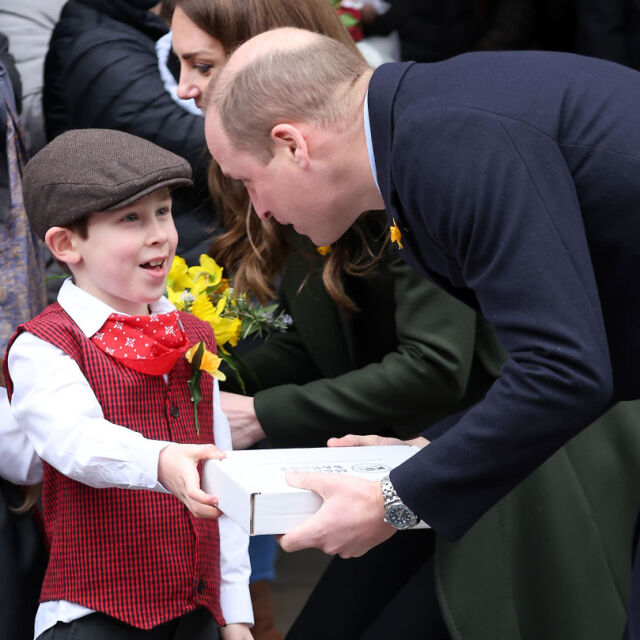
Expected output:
(201, 360)
(323, 251)
(396, 235)
(209, 362)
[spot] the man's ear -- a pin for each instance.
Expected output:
(61, 242)
(289, 140)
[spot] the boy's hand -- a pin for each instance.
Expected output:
(235, 631)
(178, 473)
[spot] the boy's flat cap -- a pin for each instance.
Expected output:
(87, 170)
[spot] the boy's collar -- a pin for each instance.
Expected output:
(89, 313)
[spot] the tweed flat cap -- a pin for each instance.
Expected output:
(87, 170)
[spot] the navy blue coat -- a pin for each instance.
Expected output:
(515, 179)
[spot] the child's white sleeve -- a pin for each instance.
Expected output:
(19, 462)
(235, 567)
(61, 416)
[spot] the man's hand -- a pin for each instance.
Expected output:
(235, 631)
(367, 441)
(245, 428)
(349, 523)
(351, 519)
(178, 473)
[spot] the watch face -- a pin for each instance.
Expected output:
(401, 517)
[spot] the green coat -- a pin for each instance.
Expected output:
(424, 356)
(552, 560)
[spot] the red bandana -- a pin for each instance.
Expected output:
(148, 344)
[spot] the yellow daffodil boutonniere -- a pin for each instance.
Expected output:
(324, 251)
(204, 292)
(201, 360)
(396, 236)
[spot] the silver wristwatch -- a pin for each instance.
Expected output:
(396, 512)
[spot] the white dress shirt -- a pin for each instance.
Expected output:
(19, 462)
(58, 411)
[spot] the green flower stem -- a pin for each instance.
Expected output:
(194, 382)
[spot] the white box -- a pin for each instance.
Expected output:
(252, 489)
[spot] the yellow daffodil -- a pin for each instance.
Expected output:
(207, 274)
(209, 362)
(203, 308)
(221, 305)
(396, 236)
(192, 352)
(175, 298)
(323, 251)
(178, 278)
(203, 292)
(225, 329)
(201, 360)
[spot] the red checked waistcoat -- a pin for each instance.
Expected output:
(138, 556)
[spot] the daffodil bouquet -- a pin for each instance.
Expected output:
(202, 291)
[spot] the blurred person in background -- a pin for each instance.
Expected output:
(102, 71)
(23, 556)
(430, 30)
(609, 30)
(28, 25)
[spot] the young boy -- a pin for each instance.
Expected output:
(99, 384)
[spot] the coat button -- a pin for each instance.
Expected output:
(200, 587)
(175, 412)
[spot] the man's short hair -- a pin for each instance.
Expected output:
(310, 83)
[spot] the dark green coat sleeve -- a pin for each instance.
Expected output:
(426, 376)
(282, 358)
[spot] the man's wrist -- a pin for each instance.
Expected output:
(396, 513)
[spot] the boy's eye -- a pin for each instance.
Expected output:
(130, 217)
(163, 211)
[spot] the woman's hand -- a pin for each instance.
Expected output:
(367, 441)
(235, 631)
(245, 428)
(351, 518)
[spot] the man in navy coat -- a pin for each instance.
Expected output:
(510, 179)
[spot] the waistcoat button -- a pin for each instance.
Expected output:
(175, 412)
